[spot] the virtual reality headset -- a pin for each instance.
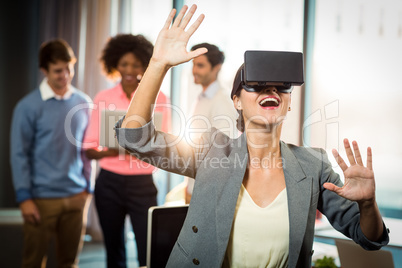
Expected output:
(269, 68)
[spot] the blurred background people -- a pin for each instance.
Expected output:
(50, 173)
(124, 185)
(212, 107)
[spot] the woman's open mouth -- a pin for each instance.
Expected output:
(270, 102)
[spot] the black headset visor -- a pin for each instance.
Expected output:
(262, 69)
(281, 88)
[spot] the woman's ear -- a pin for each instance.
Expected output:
(237, 103)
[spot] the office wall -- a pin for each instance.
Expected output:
(18, 48)
(24, 25)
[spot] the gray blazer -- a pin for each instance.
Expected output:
(218, 165)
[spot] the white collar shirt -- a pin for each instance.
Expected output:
(211, 90)
(46, 92)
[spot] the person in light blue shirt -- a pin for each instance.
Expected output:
(50, 172)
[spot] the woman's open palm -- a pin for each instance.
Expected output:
(171, 45)
(359, 180)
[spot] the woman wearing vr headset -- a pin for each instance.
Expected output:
(255, 197)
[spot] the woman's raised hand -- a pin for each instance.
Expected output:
(359, 180)
(170, 47)
(169, 50)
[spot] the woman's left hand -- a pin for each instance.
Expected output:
(359, 180)
(171, 45)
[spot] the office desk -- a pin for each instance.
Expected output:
(325, 230)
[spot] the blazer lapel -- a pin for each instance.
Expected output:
(226, 208)
(299, 193)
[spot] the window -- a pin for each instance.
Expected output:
(236, 26)
(356, 92)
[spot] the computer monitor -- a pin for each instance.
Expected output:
(164, 225)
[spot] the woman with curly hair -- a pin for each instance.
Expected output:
(125, 184)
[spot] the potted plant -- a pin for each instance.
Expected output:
(326, 262)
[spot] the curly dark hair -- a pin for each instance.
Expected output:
(122, 44)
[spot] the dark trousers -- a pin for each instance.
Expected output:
(115, 197)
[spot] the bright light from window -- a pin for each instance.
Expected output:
(236, 26)
(357, 63)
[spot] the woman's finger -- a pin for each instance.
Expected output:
(180, 16)
(197, 52)
(339, 160)
(369, 159)
(358, 156)
(169, 19)
(349, 152)
(184, 22)
(195, 25)
(332, 187)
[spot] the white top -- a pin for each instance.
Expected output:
(260, 236)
